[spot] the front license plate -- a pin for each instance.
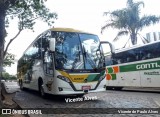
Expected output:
(86, 87)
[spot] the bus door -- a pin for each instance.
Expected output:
(48, 68)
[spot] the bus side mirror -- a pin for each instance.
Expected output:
(52, 44)
(111, 46)
(112, 49)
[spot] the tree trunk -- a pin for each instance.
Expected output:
(133, 38)
(2, 36)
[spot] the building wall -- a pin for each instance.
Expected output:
(153, 36)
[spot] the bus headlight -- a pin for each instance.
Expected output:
(63, 78)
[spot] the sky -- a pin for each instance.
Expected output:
(86, 15)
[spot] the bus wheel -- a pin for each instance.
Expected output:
(41, 90)
(118, 88)
(42, 93)
(21, 84)
(109, 88)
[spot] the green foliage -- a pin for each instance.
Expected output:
(128, 20)
(7, 76)
(27, 11)
(8, 60)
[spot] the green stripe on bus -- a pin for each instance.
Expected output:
(113, 76)
(95, 77)
(141, 66)
(92, 77)
(110, 70)
(102, 73)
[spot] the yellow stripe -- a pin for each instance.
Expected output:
(75, 78)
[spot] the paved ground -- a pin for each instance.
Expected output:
(108, 100)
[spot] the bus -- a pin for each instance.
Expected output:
(137, 66)
(64, 61)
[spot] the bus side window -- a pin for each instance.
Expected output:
(149, 56)
(129, 59)
(141, 55)
(157, 50)
(137, 57)
(118, 61)
(108, 60)
(114, 61)
(144, 57)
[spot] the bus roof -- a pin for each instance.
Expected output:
(68, 30)
(136, 46)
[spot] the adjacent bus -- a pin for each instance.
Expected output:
(63, 61)
(138, 66)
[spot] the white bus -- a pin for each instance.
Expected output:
(138, 66)
(63, 61)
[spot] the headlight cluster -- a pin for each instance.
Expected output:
(63, 78)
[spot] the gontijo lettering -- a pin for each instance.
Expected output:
(148, 65)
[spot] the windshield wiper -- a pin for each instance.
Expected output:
(76, 60)
(89, 59)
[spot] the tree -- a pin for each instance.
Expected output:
(7, 76)
(26, 11)
(8, 59)
(128, 20)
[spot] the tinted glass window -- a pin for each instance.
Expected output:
(68, 53)
(141, 53)
(90, 44)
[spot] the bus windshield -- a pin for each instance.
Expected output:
(76, 50)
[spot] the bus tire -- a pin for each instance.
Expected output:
(41, 89)
(109, 88)
(21, 84)
(118, 88)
